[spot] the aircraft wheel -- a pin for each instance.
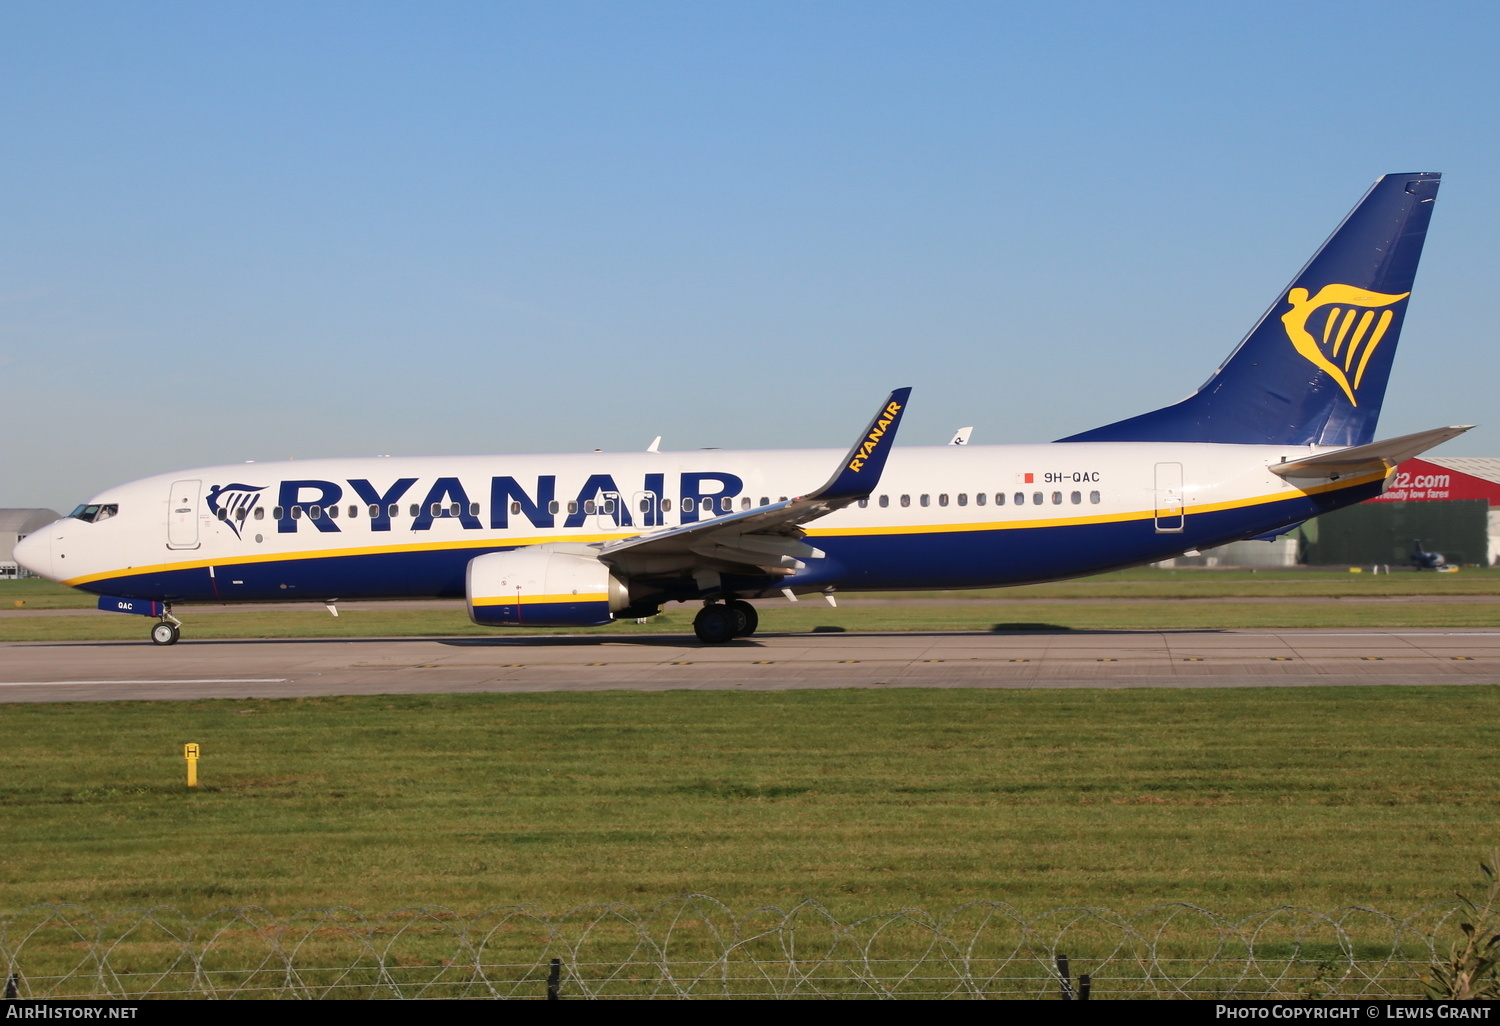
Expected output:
(165, 633)
(738, 621)
(747, 619)
(714, 624)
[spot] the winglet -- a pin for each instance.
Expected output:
(860, 472)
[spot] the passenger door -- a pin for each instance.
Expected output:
(182, 515)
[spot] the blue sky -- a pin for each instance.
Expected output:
(269, 230)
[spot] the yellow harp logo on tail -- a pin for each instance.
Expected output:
(1343, 343)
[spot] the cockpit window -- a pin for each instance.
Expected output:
(93, 513)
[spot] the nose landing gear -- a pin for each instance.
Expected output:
(167, 630)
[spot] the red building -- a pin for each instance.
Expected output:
(1445, 479)
(1458, 479)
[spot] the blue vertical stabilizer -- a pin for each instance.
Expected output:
(1313, 370)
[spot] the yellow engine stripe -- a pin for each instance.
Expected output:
(537, 600)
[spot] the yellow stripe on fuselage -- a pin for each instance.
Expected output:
(364, 550)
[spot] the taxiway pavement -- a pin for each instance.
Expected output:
(124, 670)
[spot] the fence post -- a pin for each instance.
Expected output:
(554, 980)
(1084, 979)
(1062, 977)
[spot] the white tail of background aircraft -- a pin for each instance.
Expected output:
(1282, 432)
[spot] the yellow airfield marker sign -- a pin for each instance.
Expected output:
(190, 753)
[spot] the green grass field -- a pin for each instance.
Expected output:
(1234, 800)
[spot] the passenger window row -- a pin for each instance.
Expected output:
(592, 507)
(316, 512)
(983, 498)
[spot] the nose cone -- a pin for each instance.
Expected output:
(34, 553)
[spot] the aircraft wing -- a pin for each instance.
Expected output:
(1364, 459)
(767, 539)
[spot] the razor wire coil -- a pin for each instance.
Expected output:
(695, 946)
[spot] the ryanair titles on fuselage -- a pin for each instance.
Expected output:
(304, 502)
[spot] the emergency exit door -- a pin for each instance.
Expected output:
(1169, 515)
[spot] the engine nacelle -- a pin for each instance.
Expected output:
(542, 586)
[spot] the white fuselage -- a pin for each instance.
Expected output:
(942, 517)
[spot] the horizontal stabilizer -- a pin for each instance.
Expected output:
(1276, 532)
(1365, 459)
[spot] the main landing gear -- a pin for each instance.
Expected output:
(167, 630)
(719, 622)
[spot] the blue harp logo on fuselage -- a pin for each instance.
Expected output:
(1343, 342)
(236, 501)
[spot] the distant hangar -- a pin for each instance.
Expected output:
(16, 524)
(1450, 504)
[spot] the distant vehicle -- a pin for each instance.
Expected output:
(1283, 431)
(1421, 559)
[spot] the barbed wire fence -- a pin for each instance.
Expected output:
(694, 946)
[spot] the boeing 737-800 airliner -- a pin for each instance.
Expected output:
(1283, 431)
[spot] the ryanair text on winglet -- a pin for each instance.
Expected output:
(872, 442)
